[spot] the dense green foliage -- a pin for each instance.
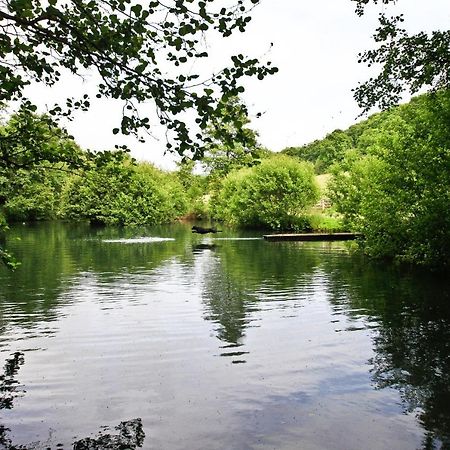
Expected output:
(35, 157)
(34, 153)
(391, 179)
(48, 176)
(225, 154)
(395, 186)
(324, 152)
(33, 194)
(139, 52)
(273, 194)
(27, 140)
(120, 193)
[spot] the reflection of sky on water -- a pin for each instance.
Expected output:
(243, 344)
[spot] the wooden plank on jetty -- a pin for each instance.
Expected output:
(313, 237)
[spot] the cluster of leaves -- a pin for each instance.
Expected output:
(272, 194)
(394, 187)
(35, 157)
(231, 147)
(139, 51)
(119, 192)
(45, 175)
(408, 62)
(33, 194)
(27, 139)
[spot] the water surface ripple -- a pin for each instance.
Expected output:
(229, 343)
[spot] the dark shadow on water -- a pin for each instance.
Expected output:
(130, 436)
(9, 390)
(9, 386)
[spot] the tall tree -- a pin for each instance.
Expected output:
(408, 62)
(30, 145)
(232, 145)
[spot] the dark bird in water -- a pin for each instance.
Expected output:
(201, 230)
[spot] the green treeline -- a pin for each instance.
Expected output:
(391, 179)
(244, 185)
(387, 177)
(110, 189)
(124, 193)
(45, 175)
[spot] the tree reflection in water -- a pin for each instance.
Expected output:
(130, 436)
(412, 338)
(240, 274)
(408, 311)
(130, 433)
(8, 391)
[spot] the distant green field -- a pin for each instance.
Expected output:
(322, 181)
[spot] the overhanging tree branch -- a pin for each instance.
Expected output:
(127, 43)
(408, 63)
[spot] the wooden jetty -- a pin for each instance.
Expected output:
(313, 237)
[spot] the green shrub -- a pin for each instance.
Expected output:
(33, 194)
(398, 195)
(324, 223)
(273, 194)
(120, 193)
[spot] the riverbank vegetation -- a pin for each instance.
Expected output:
(387, 177)
(390, 173)
(249, 187)
(391, 179)
(273, 194)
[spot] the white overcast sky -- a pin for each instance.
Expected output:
(315, 47)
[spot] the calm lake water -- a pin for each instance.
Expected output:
(218, 342)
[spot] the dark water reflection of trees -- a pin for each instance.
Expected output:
(412, 339)
(241, 272)
(54, 256)
(127, 435)
(408, 311)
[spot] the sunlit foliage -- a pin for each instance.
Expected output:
(397, 189)
(273, 194)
